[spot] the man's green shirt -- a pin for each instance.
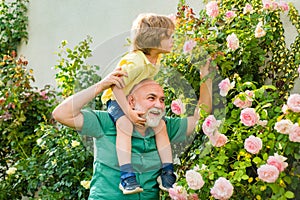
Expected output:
(145, 158)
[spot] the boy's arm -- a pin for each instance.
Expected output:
(69, 111)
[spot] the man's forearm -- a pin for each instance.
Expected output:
(68, 112)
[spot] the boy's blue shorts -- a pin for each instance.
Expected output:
(114, 110)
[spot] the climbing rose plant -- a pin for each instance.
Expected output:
(248, 147)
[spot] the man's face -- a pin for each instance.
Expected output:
(150, 99)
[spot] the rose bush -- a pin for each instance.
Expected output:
(250, 146)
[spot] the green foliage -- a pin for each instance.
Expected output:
(40, 158)
(257, 60)
(13, 25)
(22, 108)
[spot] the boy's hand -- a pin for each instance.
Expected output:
(135, 117)
(115, 78)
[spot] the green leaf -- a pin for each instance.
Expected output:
(257, 160)
(289, 195)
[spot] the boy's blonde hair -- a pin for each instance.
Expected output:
(148, 30)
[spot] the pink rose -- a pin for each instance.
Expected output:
(253, 144)
(193, 197)
(44, 94)
(275, 5)
(285, 109)
(210, 125)
(247, 99)
(212, 9)
(218, 139)
(177, 107)
(225, 86)
(268, 173)
(283, 126)
(189, 45)
(249, 117)
(299, 70)
(248, 9)
(222, 189)
(230, 14)
(293, 102)
(173, 18)
(278, 162)
(267, 4)
(259, 31)
(294, 135)
(178, 192)
(194, 180)
(283, 6)
(232, 42)
(262, 122)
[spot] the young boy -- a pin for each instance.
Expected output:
(151, 36)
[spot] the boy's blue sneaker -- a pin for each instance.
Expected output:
(129, 185)
(166, 180)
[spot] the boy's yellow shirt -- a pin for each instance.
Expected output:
(138, 68)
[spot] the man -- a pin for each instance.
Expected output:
(147, 97)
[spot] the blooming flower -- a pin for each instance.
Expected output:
(285, 109)
(283, 6)
(212, 9)
(299, 70)
(193, 197)
(222, 189)
(177, 107)
(232, 42)
(238, 102)
(278, 162)
(267, 4)
(262, 122)
(283, 126)
(11, 170)
(225, 86)
(194, 180)
(218, 139)
(248, 8)
(253, 144)
(75, 143)
(178, 192)
(85, 184)
(259, 31)
(172, 17)
(293, 102)
(294, 135)
(189, 45)
(268, 173)
(210, 125)
(44, 94)
(230, 15)
(249, 117)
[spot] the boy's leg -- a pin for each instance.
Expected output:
(128, 184)
(167, 178)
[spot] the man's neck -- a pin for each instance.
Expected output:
(141, 130)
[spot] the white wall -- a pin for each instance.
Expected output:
(107, 21)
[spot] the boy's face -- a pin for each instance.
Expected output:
(166, 44)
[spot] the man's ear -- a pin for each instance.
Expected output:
(130, 100)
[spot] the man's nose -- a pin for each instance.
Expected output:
(159, 104)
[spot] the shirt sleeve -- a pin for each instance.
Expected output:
(132, 69)
(176, 128)
(91, 124)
